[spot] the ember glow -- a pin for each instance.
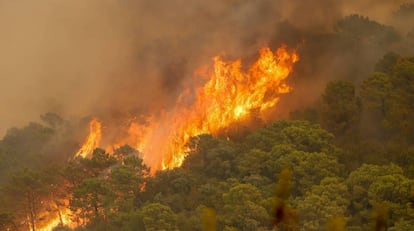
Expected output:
(63, 217)
(231, 94)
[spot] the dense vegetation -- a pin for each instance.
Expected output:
(345, 163)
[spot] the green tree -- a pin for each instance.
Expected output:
(100, 161)
(211, 193)
(256, 162)
(392, 191)
(175, 188)
(387, 97)
(158, 217)
(300, 135)
(124, 151)
(90, 199)
(127, 181)
(74, 172)
(308, 169)
(359, 182)
(24, 148)
(375, 93)
(327, 200)
(375, 98)
(364, 29)
(28, 188)
(244, 203)
(403, 225)
(340, 113)
(211, 157)
(307, 137)
(402, 96)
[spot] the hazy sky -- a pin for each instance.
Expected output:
(109, 57)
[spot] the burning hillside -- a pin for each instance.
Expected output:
(142, 127)
(231, 93)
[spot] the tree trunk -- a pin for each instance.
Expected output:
(32, 213)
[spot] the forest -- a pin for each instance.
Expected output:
(345, 161)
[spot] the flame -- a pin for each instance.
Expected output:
(92, 141)
(230, 95)
(137, 134)
(63, 219)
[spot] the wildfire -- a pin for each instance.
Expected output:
(63, 218)
(231, 94)
(92, 141)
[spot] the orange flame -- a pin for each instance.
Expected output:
(64, 218)
(92, 141)
(230, 94)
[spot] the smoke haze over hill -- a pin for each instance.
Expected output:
(117, 59)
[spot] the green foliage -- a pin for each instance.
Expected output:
(125, 221)
(301, 135)
(375, 97)
(402, 96)
(99, 161)
(361, 27)
(126, 182)
(244, 203)
(158, 217)
(90, 199)
(392, 191)
(27, 189)
(375, 92)
(211, 156)
(325, 178)
(327, 200)
(403, 225)
(316, 186)
(309, 169)
(124, 151)
(372, 184)
(340, 109)
(24, 148)
(386, 97)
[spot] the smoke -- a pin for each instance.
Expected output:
(117, 59)
(378, 10)
(108, 57)
(58, 56)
